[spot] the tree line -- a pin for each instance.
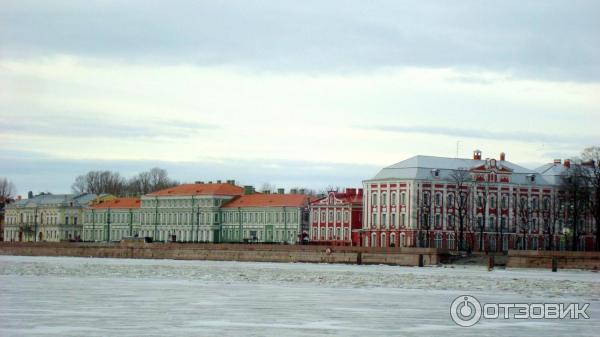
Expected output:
(113, 183)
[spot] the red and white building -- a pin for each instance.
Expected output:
(336, 219)
(413, 204)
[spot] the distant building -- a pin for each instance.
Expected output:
(46, 217)
(112, 219)
(278, 218)
(414, 203)
(3, 203)
(187, 213)
(336, 219)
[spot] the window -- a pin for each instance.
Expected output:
(374, 220)
(438, 199)
(393, 201)
(346, 216)
(373, 240)
(338, 217)
(383, 198)
(384, 220)
(403, 198)
(383, 243)
(374, 199)
(450, 200)
(438, 240)
(493, 201)
(393, 221)
(479, 200)
(402, 240)
(438, 220)
(450, 220)
(402, 219)
(504, 202)
(426, 199)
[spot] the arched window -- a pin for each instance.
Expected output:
(451, 241)
(393, 201)
(393, 240)
(383, 198)
(373, 240)
(438, 240)
(402, 240)
(383, 243)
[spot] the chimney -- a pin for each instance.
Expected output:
(218, 181)
(294, 191)
(18, 197)
(477, 155)
(589, 163)
(360, 191)
(302, 191)
(280, 191)
(502, 156)
(30, 195)
(248, 189)
(210, 181)
(557, 161)
(199, 182)
(567, 163)
(267, 192)
(351, 191)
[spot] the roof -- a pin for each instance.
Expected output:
(353, 197)
(199, 189)
(118, 203)
(269, 200)
(420, 167)
(56, 200)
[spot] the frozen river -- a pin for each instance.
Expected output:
(41, 296)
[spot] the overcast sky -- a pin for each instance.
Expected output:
(295, 93)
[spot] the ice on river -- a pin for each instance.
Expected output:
(45, 296)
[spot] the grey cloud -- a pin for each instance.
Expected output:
(517, 135)
(549, 40)
(81, 126)
(41, 172)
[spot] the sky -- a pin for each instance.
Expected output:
(293, 93)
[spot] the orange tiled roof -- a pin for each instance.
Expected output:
(200, 189)
(269, 200)
(119, 203)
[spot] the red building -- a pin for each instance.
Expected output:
(336, 219)
(422, 201)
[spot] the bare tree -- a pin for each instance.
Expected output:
(460, 201)
(575, 183)
(525, 212)
(111, 182)
(7, 189)
(591, 156)
(552, 211)
(268, 187)
(424, 204)
(481, 194)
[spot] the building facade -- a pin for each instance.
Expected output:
(493, 204)
(336, 219)
(267, 218)
(186, 213)
(46, 217)
(112, 220)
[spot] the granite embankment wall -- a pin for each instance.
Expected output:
(231, 252)
(543, 259)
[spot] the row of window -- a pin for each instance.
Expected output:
(43, 220)
(329, 216)
(383, 200)
(330, 234)
(261, 217)
(182, 203)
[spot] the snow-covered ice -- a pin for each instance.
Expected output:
(105, 297)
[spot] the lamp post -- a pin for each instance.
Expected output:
(108, 225)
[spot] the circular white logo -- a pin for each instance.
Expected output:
(465, 310)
